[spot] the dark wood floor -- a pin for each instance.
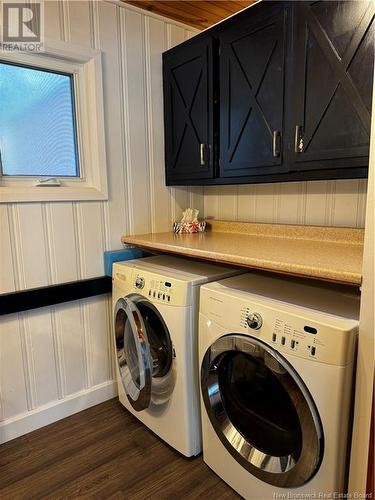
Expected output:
(102, 452)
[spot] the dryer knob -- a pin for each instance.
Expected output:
(254, 321)
(139, 283)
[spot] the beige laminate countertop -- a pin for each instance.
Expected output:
(327, 253)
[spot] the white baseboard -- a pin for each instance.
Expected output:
(56, 410)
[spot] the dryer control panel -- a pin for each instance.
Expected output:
(288, 329)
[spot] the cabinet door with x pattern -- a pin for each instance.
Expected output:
(252, 56)
(333, 74)
(188, 111)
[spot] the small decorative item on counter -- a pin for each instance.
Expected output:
(189, 223)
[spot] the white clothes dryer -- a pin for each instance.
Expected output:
(277, 359)
(155, 308)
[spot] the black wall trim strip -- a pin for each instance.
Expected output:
(55, 294)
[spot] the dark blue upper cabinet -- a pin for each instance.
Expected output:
(252, 85)
(333, 75)
(280, 92)
(188, 111)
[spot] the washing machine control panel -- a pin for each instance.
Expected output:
(160, 289)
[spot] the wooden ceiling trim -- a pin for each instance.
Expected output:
(217, 10)
(170, 13)
(197, 13)
(204, 17)
(241, 3)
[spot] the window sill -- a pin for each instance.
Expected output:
(44, 193)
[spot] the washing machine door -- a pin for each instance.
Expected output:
(144, 352)
(262, 411)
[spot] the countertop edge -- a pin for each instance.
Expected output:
(346, 277)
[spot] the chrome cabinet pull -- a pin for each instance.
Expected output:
(298, 139)
(203, 154)
(276, 144)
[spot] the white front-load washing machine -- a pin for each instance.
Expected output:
(155, 307)
(277, 361)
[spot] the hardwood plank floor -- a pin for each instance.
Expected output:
(102, 453)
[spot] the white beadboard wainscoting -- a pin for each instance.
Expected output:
(325, 203)
(58, 360)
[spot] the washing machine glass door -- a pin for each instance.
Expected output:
(262, 411)
(144, 352)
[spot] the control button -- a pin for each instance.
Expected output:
(169, 298)
(292, 344)
(163, 296)
(254, 321)
(283, 339)
(139, 283)
(159, 295)
(313, 349)
(154, 294)
(274, 337)
(149, 293)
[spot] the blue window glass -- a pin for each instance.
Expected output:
(37, 123)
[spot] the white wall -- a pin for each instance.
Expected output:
(364, 389)
(328, 203)
(57, 360)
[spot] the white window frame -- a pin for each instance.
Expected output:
(84, 64)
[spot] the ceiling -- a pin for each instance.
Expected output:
(195, 13)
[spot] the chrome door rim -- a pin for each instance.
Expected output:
(161, 387)
(139, 397)
(279, 471)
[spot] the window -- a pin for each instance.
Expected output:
(37, 117)
(52, 125)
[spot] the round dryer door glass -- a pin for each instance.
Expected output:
(144, 352)
(261, 411)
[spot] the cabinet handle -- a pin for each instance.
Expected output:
(203, 154)
(276, 144)
(298, 139)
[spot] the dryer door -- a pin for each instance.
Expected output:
(262, 411)
(144, 352)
